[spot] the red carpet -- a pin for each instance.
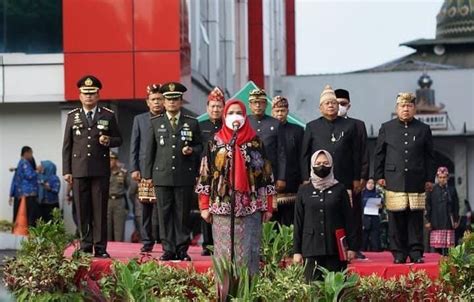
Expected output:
(378, 263)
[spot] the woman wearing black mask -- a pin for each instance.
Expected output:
(322, 207)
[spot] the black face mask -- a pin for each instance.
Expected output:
(322, 171)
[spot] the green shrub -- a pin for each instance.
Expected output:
(5, 226)
(40, 269)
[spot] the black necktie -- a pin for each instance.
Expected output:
(89, 118)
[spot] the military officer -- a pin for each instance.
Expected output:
(293, 141)
(215, 107)
(117, 209)
(336, 135)
(174, 146)
(404, 165)
(272, 135)
(149, 226)
(344, 100)
(90, 131)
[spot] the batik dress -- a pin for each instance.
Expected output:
(214, 182)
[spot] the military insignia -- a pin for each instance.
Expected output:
(162, 141)
(162, 126)
(107, 109)
(329, 192)
(314, 192)
(88, 82)
(171, 87)
(74, 110)
(186, 125)
(186, 133)
(103, 124)
(78, 132)
(271, 128)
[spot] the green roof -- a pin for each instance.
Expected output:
(243, 95)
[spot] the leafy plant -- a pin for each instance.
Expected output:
(40, 269)
(5, 226)
(336, 286)
(457, 269)
(150, 281)
(276, 246)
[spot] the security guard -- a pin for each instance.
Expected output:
(90, 132)
(293, 141)
(272, 135)
(336, 135)
(174, 147)
(215, 107)
(404, 165)
(117, 210)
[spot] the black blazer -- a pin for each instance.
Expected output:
(317, 216)
(442, 207)
(344, 148)
(404, 156)
(164, 160)
(363, 150)
(83, 156)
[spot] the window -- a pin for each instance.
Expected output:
(31, 26)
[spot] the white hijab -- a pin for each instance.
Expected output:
(318, 182)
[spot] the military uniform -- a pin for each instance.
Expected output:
(339, 137)
(174, 175)
(269, 131)
(88, 162)
(117, 210)
(404, 158)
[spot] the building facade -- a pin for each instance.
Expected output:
(128, 44)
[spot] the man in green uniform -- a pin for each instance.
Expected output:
(117, 209)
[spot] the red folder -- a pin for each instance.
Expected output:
(341, 244)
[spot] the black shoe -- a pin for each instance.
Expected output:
(101, 254)
(183, 256)
(359, 255)
(418, 260)
(167, 256)
(399, 260)
(87, 250)
(206, 252)
(146, 248)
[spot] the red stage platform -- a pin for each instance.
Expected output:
(378, 263)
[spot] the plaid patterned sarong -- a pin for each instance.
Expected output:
(442, 238)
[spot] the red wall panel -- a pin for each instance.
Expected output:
(155, 67)
(157, 24)
(255, 33)
(290, 37)
(115, 71)
(97, 25)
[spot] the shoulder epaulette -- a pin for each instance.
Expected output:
(188, 116)
(109, 110)
(73, 110)
(155, 116)
(123, 170)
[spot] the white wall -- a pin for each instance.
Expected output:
(37, 125)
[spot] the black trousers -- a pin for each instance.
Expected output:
(357, 210)
(371, 233)
(405, 231)
(91, 195)
(32, 209)
(206, 230)
(285, 214)
(150, 229)
(47, 210)
(174, 206)
(329, 262)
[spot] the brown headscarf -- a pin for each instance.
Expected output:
(326, 182)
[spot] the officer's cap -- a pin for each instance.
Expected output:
(89, 84)
(172, 90)
(113, 155)
(257, 94)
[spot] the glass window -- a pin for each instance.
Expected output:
(31, 26)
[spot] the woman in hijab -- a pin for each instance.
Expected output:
(322, 207)
(48, 191)
(253, 185)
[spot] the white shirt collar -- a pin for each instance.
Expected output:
(94, 110)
